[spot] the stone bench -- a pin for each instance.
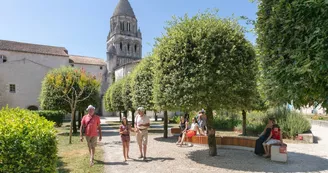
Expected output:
(279, 153)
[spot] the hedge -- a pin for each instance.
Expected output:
(27, 142)
(55, 116)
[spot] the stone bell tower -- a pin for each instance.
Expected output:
(124, 41)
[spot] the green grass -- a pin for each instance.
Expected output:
(75, 157)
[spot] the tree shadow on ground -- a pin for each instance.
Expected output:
(172, 139)
(61, 166)
(241, 160)
(99, 162)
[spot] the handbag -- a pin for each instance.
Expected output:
(283, 149)
(85, 127)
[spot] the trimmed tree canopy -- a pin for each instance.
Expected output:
(65, 87)
(204, 61)
(292, 38)
(142, 84)
(116, 96)
(126, 93)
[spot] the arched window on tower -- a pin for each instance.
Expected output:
(3, 59)
(121, 46)
(129, 26)
(128, 47)
(135, 48)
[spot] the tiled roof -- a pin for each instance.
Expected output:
(77, 59)
(32, 48)
(124, 8)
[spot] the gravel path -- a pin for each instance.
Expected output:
(165, 157)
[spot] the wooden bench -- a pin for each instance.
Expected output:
(225, 141)
(174, 131)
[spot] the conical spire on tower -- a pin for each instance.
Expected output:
(124, 8)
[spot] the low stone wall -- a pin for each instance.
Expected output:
(320, 123)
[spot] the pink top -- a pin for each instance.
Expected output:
(91, 129)
(123, 128)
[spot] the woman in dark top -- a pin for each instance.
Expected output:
(259, 150)
(183, 127)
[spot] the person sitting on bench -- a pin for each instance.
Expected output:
(191, 132)
(274, 138)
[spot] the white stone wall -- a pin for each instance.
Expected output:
(26, 71)
(92, 69)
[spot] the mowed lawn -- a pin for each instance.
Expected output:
(75, 157)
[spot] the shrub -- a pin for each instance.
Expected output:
(27, 142)
(290, 122)
(175, 119)
(55, 116)
(226, 122)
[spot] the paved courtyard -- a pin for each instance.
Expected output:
(165, 157)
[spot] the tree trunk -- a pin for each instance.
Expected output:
(120, 116)
(165, 123)
(71, 127)
(125, 114)
(74, 123)
(155, 115)
(244, 122)
(132, 112)
(211, 132)
(79, 119)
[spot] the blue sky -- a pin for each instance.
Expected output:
(82, 26)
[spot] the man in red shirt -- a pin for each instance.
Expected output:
(91, 123)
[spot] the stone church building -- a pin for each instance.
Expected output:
(24, 65)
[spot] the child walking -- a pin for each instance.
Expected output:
(125, 137)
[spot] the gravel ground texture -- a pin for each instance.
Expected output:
(164, 156)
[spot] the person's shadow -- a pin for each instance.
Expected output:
(109, 163)
(241, 160)
(150, 159)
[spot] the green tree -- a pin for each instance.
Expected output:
(205, 62)
(293, 44)
(116, 97)
(69, 89)
(142, 84)
(127, 96)
(107, 100)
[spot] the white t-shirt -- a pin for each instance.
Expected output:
(142, 120)
(193, 126)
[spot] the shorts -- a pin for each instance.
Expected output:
(92, 141)
(125, 138)
(273, 141)
(142, 137)
(191, 133)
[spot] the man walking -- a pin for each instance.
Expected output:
(142, 124)
(89, 125)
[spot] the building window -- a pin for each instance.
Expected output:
(121, 46)
(135, 48)
(129, 26)
(101, 67)
(122, 26)
(128, 47)
(12, 88)
(3, 59)
(72, 65)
